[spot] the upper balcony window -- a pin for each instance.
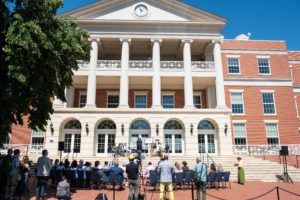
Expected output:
(140, 101)
(233, 65)
(264, 66)
(82, 99)
(197, 101)
(168, 101)
(112, 100)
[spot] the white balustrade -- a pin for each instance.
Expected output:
(140, 65)
(201, 66)
(109, 65)
(294, 149)
(83, 65)
(171, 66)
(25, 149)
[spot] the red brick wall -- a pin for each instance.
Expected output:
(296, 74)
(21, 134)
(249, 66)
(253, 45)
(286, 114)
(294, 55)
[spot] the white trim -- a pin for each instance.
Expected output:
(257, 82)
(236, 90)
(233, 56)
(253, 51)
(239, 121)
(140, 92)
(168, 93)
(239, 61)
(294, 62)
(296, 90)
(296, 106)
(112, 93)
(267, 91)
(267, 57)
(271, 121)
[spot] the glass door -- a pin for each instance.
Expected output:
(174, 141)
(72, 143)
(206, 143)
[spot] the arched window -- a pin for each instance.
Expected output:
(107, 124)
(207, 125)
(73, 124)
(173, 124)
(140, 124)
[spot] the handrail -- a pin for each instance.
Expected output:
(66, 157)
(209, 157)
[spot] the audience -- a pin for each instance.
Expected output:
(185, 168)
(177, 168)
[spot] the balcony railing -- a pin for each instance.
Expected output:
(171, 65)
(140, 65)
(262, 150)
(25, 149)
(201, 66)
(109, 65)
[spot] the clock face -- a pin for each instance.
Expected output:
(141, 10)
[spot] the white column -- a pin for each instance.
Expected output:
(156, 83)
(57, 103)
(70, 97)
(188, 79)
(220, 92)
(91, 90)
(124, 84)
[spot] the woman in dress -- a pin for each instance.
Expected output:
(241, 173)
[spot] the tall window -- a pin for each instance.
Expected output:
(240, 134)
(197, 101)
(82, 99)
(268, 103)
(168, 101)
(237, 102)
(37, 137)
(272, 133)
(264, 65)
(140, 101)
(112, 101)
(233, 65)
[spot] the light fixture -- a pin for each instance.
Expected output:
(225, 129)
(51, 128)
(157, 129)
(122, 129)
(192, 129)
(87, 128)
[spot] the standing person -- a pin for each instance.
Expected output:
(13, 171)
(6, 164)
(43, 172)
(139, 144)
(132, 171)
(201, 173)
(165, 169)
(241, 173)
(167, 148)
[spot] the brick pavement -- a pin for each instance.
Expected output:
(237, 192)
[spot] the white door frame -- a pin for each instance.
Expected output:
(207, 132)
(174, 132)
(72, 132)
(105, 132)
(139, 132)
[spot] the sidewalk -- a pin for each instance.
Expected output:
(237, 192)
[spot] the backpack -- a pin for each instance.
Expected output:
(101, 196)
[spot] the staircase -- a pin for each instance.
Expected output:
(255, 168)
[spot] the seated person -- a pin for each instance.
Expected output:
(116, 169)
(148, 169)
(63, 189)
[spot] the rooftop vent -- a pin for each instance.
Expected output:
(243, 37)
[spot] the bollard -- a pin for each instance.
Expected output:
(277, 190)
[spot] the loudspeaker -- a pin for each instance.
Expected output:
(61, 146)
(284, 151)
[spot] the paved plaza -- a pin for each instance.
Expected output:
(250, 190)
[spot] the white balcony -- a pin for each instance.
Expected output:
(142, 65)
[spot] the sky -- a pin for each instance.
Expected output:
(264, 19)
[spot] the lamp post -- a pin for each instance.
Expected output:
(51, 128)
(87, 128)
(122, 129)
(157, 129)
(192, 129)
(225, 129)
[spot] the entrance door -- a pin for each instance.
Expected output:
(134, 137)
(103, 141)
(174, 141)
(72, 143)
(206, 137)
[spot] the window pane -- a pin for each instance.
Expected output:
(113, 101)
(201, 143)
(237, 103)
(233, 65)
(168, 141)
(101, 143)
(68, 139)
(239, 130)
(197, 101)
(38, 133)
(240, 141)
(140, 101)
(168, 101)
(37, 141)
(271, 129)
(264, 67)
(211, 143)
(273, 141)
(178, 145)
(82, 100)
(77, 142)
(268, 103)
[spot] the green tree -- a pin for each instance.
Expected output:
(38, 53)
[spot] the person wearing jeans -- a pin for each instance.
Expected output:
(132, 171)
(165, 169)
(201, 173)
(43, 172)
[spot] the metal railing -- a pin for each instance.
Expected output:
(25, 149)
(200, 66)
(109, 65)
(140, 65)
(171, 65)
(265, 150)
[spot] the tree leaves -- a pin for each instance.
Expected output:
(38, 54)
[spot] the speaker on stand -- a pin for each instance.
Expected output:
(285, 177)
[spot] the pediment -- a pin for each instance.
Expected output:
(124, 10)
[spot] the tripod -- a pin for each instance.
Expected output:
(285, 177)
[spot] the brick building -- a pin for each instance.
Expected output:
(161, 70)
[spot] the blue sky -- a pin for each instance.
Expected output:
(264, 19)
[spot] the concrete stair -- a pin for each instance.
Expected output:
(255, 168)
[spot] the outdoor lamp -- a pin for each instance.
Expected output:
(122, 129)
(225, 129)
(51, 128)
(87, 128)
(157, 129)
(192, 129)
